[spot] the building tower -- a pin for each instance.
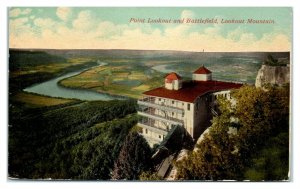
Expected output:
(173, 81)
(202, 74)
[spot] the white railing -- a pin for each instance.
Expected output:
(151, 103)
(153, 128)
(151, 114)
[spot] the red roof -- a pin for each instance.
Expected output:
(202, 70)
(192, 89)
(172, 76)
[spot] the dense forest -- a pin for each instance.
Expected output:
(79, 141)
(134, 158)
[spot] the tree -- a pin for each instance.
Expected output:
(215, 157)
(151, 176)
(270, 60)
(271, 162)
(134, 158)
(259, 116)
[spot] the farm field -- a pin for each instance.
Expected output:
(125, 80)
(132, 76)
(38, 100)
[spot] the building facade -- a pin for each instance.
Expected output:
(189, 104)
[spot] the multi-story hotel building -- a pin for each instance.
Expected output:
(189, 104)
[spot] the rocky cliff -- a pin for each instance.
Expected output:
(274, 75)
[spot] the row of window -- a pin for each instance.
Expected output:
(164, 114)
(214, 97)
(173, 102)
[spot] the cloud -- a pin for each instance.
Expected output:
(213, 31)
(26, 11)
(187, 14)
(44, 23)
(18, 25)
(14, 12)
(85, 21)
(181, 30)
(178, 31)
(18, 12)
(64, 13)
(247, 38)
(87, 31)
(109, 29)
(235, 35)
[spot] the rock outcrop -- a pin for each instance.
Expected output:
(274, 75)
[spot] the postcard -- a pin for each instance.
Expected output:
(150, 93)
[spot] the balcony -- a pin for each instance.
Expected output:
(149, 124)
(150, 102)
(150, 113)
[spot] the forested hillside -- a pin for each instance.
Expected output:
(258, 151)
(78, 141)
(20, 59)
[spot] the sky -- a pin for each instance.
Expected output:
(111, 28)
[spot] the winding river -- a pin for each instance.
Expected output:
(53, 89)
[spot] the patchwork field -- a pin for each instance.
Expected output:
(132, 77)
(125, 80)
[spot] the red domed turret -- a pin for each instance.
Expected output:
(202, 74)
(171, 77)
(173, 81)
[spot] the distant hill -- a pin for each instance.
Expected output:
(23, 58)
(151, 54)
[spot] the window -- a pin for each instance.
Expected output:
(159, 136)
(172, 101)
(172, 113)
(225, 95)
(188, 106)
(146, 131)
(159, 99)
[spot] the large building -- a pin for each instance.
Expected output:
(189, 104)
